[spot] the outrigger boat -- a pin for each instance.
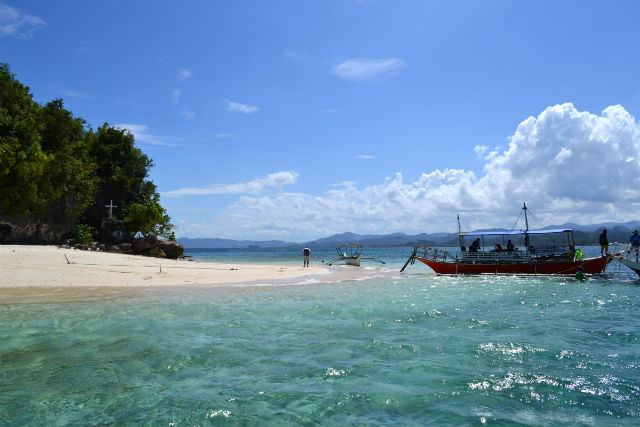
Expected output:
(628, 261)
(550, 260)
(351, 254)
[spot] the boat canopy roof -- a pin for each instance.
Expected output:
(515, 232)
(350, 244)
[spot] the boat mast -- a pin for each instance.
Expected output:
(459, 231)
(526, 227)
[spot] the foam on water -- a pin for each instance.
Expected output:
(397, 349)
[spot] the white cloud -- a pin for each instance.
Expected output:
(562, 157)
(141, 134)
(16, 24)
(241, 108)
(481, 150)
(367, 70)
(364, 156)
(183, 74)
(188, 115)
(567, 165)
(255, 186)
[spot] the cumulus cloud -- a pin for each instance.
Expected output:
(367, 70)
(274, 180)
(13, 23)
(481, 150)
(241, 108)
(570, 158)
(567, 165)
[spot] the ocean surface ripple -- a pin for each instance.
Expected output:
(413, 349)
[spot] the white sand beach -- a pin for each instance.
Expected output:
(24, 266)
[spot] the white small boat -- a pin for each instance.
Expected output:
(628, 260)
(351, 254)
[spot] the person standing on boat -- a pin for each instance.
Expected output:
(306, 253)
(475, 246)
(635, 243)
(510, 247)
(604, 243)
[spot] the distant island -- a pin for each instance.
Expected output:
(585, 235)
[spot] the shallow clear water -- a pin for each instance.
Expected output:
(412, 349)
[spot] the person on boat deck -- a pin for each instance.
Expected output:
(635, 243)
(510, 247)
(475, 246)
(604, 243)
(578, 255)
(572, 251)
(498, 248)
(306, 252)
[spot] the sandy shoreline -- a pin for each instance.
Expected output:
(41, 267)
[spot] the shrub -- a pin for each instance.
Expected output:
(82, 233)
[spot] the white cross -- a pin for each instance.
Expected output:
(111, 206)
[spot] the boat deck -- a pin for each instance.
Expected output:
(517, 256)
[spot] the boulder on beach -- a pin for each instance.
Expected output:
(171, 248)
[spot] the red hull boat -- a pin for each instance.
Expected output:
(550, 258)
(532, 265)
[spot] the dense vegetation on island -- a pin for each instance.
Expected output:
(57, 173)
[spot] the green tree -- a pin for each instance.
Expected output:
(55, 169)
(122, 176)
(22, 161)
(69, 177)
(147, 217)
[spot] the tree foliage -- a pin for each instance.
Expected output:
(54, 165)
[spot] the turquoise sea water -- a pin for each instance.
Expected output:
(392, 349)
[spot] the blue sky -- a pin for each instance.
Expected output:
(298, 119)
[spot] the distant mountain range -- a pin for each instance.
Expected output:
(584, 235)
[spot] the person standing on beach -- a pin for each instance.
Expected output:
(306, 252)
